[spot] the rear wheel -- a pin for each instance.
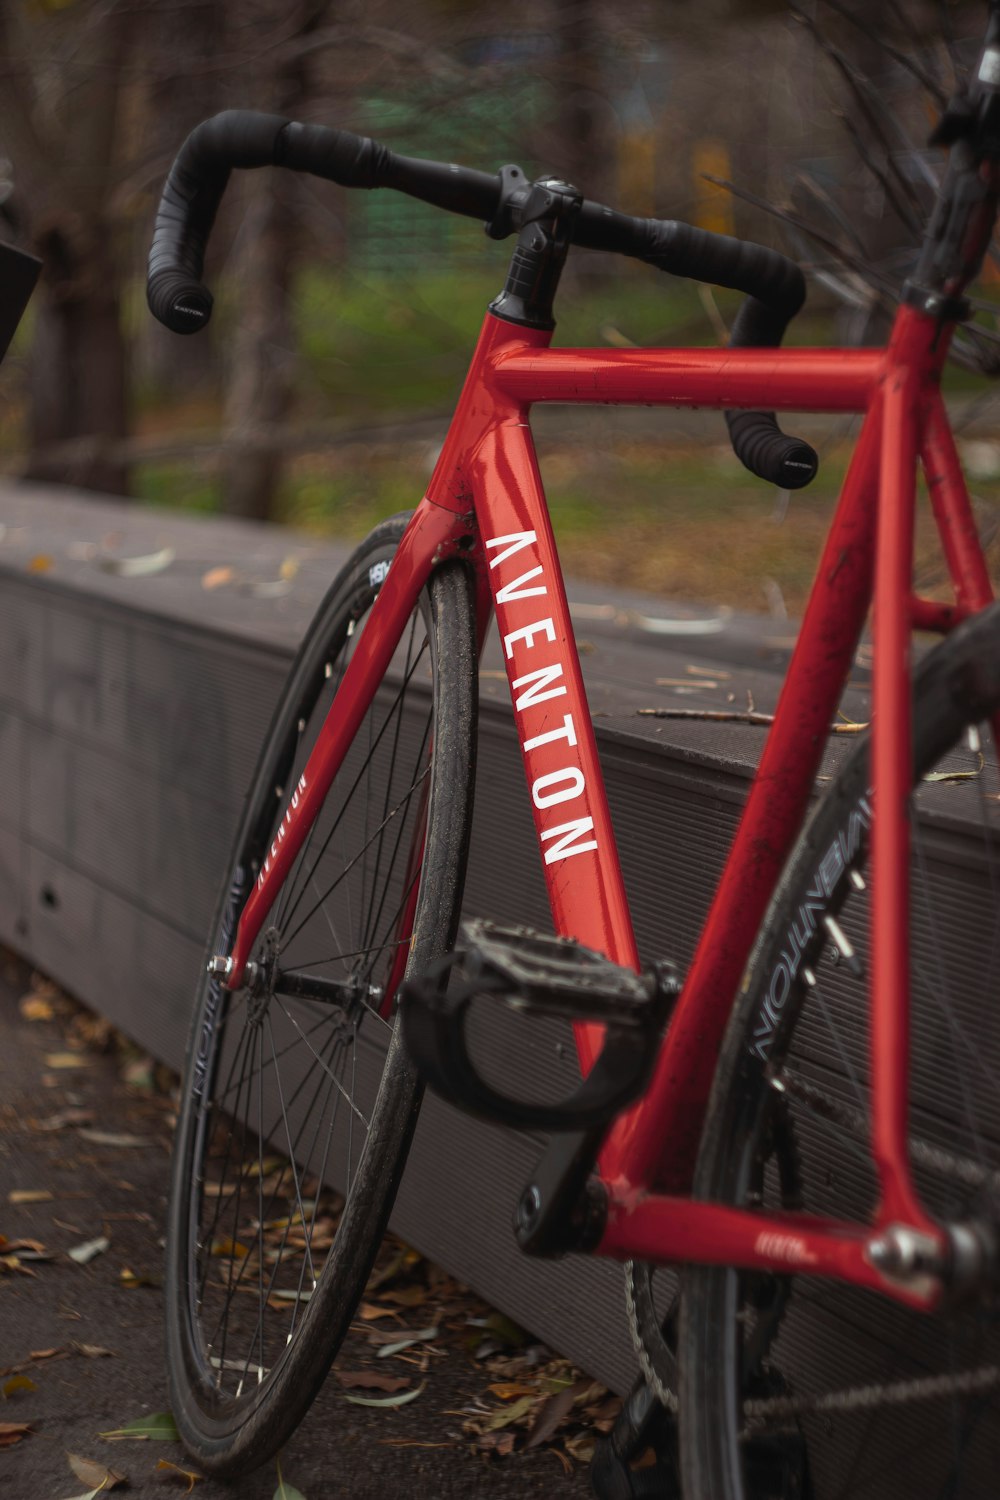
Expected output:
(298, 1102)
(795, 1387)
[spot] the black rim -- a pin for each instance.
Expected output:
(288, 1070)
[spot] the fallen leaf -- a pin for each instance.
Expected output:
(13, 1432)
(412, 1443)
(66, 1060)
(45, 1353)
(404, 1338)
(501, 1443)
(132, 1279)
(369, 1311)
(404, 1260)
(512, 1413)
(218, 1189)
(160, 1427)
(182, 1476)
(228, 1247)
(21, 1245)
(286, 1491)
(138, 567)
(96, 1474)
(89, 1249)
(215, 578)
(289, 567)
(402, 1399)
(17, 1383)
(504, 1328)
(553, 1412)
(13, 1263)
(581, 1446)
(564, 1459)
(40, 563)
(89, 1351)
(35, 1007)
(406, 1296)
(371, 1380)
(64, 1118)
(29, 1195)
(507, 1392)
(140, 1073)
(110, 1138)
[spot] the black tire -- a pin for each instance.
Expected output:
(788, 1126)
(266, 1260)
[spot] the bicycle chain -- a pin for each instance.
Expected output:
(662, 1392)
(779, 1409)
(935, 1158)
(775, 1411)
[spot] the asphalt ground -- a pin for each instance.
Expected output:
(84, 1156)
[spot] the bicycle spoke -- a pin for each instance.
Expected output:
(347, 797)
(290, 937)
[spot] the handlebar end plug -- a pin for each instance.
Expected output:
(180, 303)
(798, 466)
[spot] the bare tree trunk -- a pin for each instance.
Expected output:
(261, 380)
(259, 391)
(60, 111)
(78, 361)
(581, 106)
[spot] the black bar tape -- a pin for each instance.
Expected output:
(244, 138)
(357, 161)
(338, 155)
(775, 288)
(190, 201)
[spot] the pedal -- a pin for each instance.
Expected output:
(545, 976)
(643, 1427)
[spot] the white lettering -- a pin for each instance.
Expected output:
(566, 836)
(574, 784)
(527, 634)
(513, 590)
(540, 690)
(567, 732)
(784, 1247)
(517, 540)
(283, 827)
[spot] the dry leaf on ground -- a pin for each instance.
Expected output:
(35, 1007)
(372, 1380)
(402, 1398)
(95, 1474)
(13, 1432)
(17, 1383)
(187, 1477)
(215, 578)
(113, 1138)
(160, 1426)
(89, 1249)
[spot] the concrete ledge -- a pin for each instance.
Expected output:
(131, 711)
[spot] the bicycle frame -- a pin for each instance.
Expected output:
(485, 503)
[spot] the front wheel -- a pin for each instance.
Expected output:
(800, 1387)
(298, 1102)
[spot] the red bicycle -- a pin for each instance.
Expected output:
(822, 1152)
